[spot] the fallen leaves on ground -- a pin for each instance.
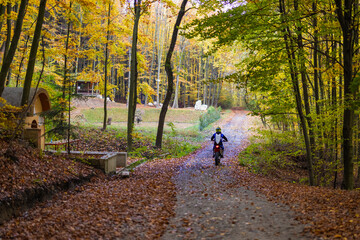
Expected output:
(30, 169)
(92, 139)
(134, 208)
(329, 213)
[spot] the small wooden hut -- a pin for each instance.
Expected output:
(87, 88)
(34, 123)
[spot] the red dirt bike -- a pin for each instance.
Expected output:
(217, 154)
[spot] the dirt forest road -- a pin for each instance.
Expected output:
(211, 205)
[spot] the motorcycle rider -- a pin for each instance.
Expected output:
(218, 138)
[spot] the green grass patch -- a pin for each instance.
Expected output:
(175, 143)
(181, 133)
(210, 116)
(135, 164)
(96, 115)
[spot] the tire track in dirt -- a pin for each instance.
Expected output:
(211, 205)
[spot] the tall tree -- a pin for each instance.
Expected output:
(170, 75)
(8, 36)
(133, 76)
(14, 42)
(347, 18)
(8, 30)
(295, 82)
(176, 97)
(33, 53)
(67, 83)
(106, 67)
(159, 55)
(65, 71)
(2, 12)
(154, 43)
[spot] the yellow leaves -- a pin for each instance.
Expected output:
(89, 76)
(110, 87)
(87, 3)
(147, 90)
(9, 117)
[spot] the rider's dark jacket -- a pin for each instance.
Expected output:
(222, 136)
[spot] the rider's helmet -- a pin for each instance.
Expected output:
(218, 130)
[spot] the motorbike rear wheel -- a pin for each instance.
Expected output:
(217, 158)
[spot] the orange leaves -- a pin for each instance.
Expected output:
(30, 171)
(136, 208)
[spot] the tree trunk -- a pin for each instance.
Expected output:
(303, 78)
(345, 18)
(170, 76)
(217, 93)
(33, 52)
(160, 48)
(14, 42)
(335, 127)
(176, 97)
(8, 38)
(315, 60)
(295, 83)
(79, 46)
(129, 80)
(65, 77)
(106, 68)
(2, 12)
(213, 85)
(154, 43)
(8, 30)
(22, 61)
(205, 80)
(66, 81)
(199, 77)
(134, 76)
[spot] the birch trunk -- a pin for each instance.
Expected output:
(160, 48)
(178, 69)
(106, 68)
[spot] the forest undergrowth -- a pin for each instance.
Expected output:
(282, 155)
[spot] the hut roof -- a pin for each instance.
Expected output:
(13, 96)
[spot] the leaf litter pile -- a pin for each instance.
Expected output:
(94, 139)
(328, 213)
(138, 207)
(28, 169)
